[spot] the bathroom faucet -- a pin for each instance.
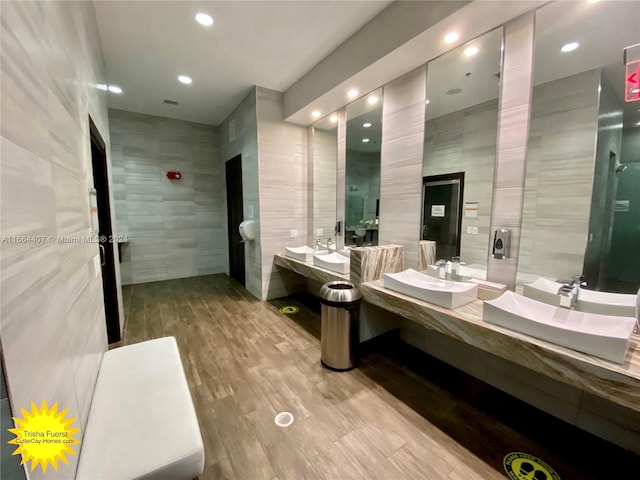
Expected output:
(570, 291)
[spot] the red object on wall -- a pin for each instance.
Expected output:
(174, 175)
(632, 82)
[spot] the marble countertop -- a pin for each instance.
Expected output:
(617, 383)
(308, 270)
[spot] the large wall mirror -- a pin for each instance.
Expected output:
(325, 156)
(362, 177)
(461, 122)
(581, 211)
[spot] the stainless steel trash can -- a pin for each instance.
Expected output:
(339, 330)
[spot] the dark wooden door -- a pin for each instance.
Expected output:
(105, 233)
(442, 212)
(235, 215)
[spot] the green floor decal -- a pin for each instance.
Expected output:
(522, 466)
(289, 309)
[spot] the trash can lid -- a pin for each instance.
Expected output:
(340, 292)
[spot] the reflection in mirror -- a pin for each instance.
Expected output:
(362, 178)
(325, 151)
(461, 122)
(581, 211)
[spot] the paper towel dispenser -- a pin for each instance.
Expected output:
(248, 230)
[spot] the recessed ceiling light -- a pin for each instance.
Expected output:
(365, 140)
(372, 100)
(366, 125)
(470, 51)
(592, 1)
(184, 79)
(102, 86)
(333, 118)
(115, 89)
(315, 114)
(570, 47)
(637, 124)
(451, 37)
(353, 93)
(427, 101)
(204, 19)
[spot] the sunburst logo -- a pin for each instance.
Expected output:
(44, 436)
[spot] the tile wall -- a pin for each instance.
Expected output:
(175, 228)
(238, 135)
(52, 315)
(401, 163)
(513, 134)
(283, 180)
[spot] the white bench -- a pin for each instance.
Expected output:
(142, 423)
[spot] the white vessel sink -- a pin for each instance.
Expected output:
(543, 290)
(304, 253)
(332, 261)
(599, 335)
(433, 290)
(606, 303)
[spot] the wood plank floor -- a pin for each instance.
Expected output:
(400, 415)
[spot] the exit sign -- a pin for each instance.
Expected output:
(632, 82)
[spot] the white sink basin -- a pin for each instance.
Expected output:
(433, 290)
(333, 261)
(304, 253)
(543, 290)
(599, 335)
(606, 303)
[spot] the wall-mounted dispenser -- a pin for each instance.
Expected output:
(501, 241)
(248, 230)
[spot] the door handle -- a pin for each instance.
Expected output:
(424, 230)
(103, 256)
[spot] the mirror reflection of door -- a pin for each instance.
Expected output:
(442, 212)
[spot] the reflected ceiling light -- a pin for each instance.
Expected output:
(184, 79)
(635, 90)
(427, 101)
(115, 89)
(471, 51)
(569, 47)
(366, 125)
(592, 1)
(204, 19)
(315, 114)
(372, 100)
(365, 140)
(102, 86)
(353, 93)
(637, 124)
(451, 37)
(333, 118)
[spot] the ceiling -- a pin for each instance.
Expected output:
(147, 44)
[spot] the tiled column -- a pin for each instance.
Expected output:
(513, 135)
(401, 163)
(341, 174)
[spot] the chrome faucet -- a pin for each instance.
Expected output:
(570, 291)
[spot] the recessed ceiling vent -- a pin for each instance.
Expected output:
(453, 91)
(170, 102)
